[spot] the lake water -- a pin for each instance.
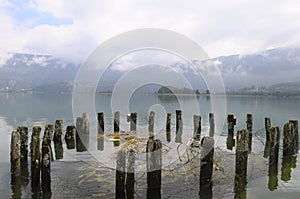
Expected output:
(41, 109)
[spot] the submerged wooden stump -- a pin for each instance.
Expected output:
(295, 135)
(15, 161)
(288, 139)
(35, 161)
(273, 158)
(197, 127)
(267, 128)
(151, 125)
(120, 174)
(206, 164)
(154, 165)
(80, 147)
(117, 126)
(211, 124)
(179, 126)
(15, 153)
(70, 137)
(131, 118)
(168, 127)
(100, 139)
(230, 142)
(48, 135)
(46, 163)
(130, 174)
(58, 139)
(249, 123)
(241, 164)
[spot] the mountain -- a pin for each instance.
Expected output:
(27, 71)
(46, 73)
(262, 69)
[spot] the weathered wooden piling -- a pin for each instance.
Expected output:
(267, 128)
(231, 121)
(100, 137)
(23, 131)
(249, 123)
(130, 174)
(58, 140)
(15, 153)
(151, 125)
(80, 147)
(48, 134)
(35, 149)
(70, 137)
(131, 118)
(120, 175)
(197, 127)
(168, 127)
(117, 127)
(206, 167)
(46, 163)
(211, 124)
(154, 165)
(116, 122)
(295, 135)
(179, 126)
(86, 129)
(288, 139)
(289, 150)
(273, 158)
(241, 164)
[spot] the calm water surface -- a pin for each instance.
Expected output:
(41, 109)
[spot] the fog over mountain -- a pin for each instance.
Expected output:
(43, 72)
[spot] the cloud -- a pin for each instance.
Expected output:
(72, 29)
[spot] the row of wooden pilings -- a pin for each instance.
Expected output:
(77, 137)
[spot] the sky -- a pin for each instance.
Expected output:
(72, 29)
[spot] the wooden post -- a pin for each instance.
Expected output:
(130, 174)
(273, 158)
(241, 164)
(267, 127)
(288, 141)
(15, 153)
(120, 174)
(117, 126)
(70, 137)
(100, 139)
(212, 125)
(116, 122)
(289, 150)
(58, 140)
(15, 161)
(168, 127)
(46, 161)
(80, 147)
(206, 164)
(48, 135)
(154, 165)
(296, 135)
(86, 129)
(23, 131)
(249, 123)
(151, 125)
(132, 117)
(178, 138)
(231, 121)
(197, 127)
(35, 160)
